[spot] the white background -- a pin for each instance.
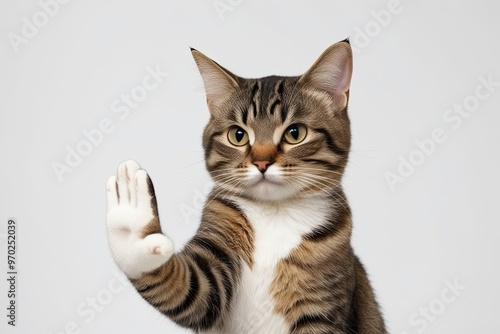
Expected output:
(440, 225)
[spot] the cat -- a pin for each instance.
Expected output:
(272, 254)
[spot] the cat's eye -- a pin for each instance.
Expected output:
(237, 136)
(295, 134)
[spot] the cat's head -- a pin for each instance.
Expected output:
(276, 137)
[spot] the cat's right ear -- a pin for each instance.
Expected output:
(332, 72)
(217, 80)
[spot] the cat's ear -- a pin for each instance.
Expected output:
(332, 71)
(217, 80)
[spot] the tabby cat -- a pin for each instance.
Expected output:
(272, 254)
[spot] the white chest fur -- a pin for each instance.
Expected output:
(278, 229)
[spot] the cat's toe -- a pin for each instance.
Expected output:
(159, 245)
(127, 169)
(156, 250)
(146, 199)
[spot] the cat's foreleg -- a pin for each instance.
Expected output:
(193, 287)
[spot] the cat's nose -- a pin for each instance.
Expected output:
(261, 165)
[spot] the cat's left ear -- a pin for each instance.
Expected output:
(332, 72)
(218, 81)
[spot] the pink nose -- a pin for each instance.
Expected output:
(262, 165)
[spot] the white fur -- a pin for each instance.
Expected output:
(129, 211)
(278, 229)
(270, 187)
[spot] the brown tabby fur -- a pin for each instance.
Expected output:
(321, 286)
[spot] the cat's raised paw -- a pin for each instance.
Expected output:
(134, 231)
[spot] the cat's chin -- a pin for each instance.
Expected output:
(271, 191)
(271, 187)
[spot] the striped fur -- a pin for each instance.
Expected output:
(272, 253)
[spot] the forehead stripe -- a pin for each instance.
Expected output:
(284, 114)
(280, 88)
(244, 116)
(274, 106)
(255, 89)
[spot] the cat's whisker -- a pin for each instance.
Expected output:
(238, 185)
(326, 187)
(229, 173)
(313, 187)
(224, 176)
(299, 172)
(302, 168)
(217, 192)
(191, 165)
(308, 181)
(230, 184)
(291, 174)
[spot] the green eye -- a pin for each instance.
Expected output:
(237, 136)
(295, 134)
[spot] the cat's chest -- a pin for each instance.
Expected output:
(278, 230)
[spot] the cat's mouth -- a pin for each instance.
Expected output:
(267, 180)
(269, 187)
